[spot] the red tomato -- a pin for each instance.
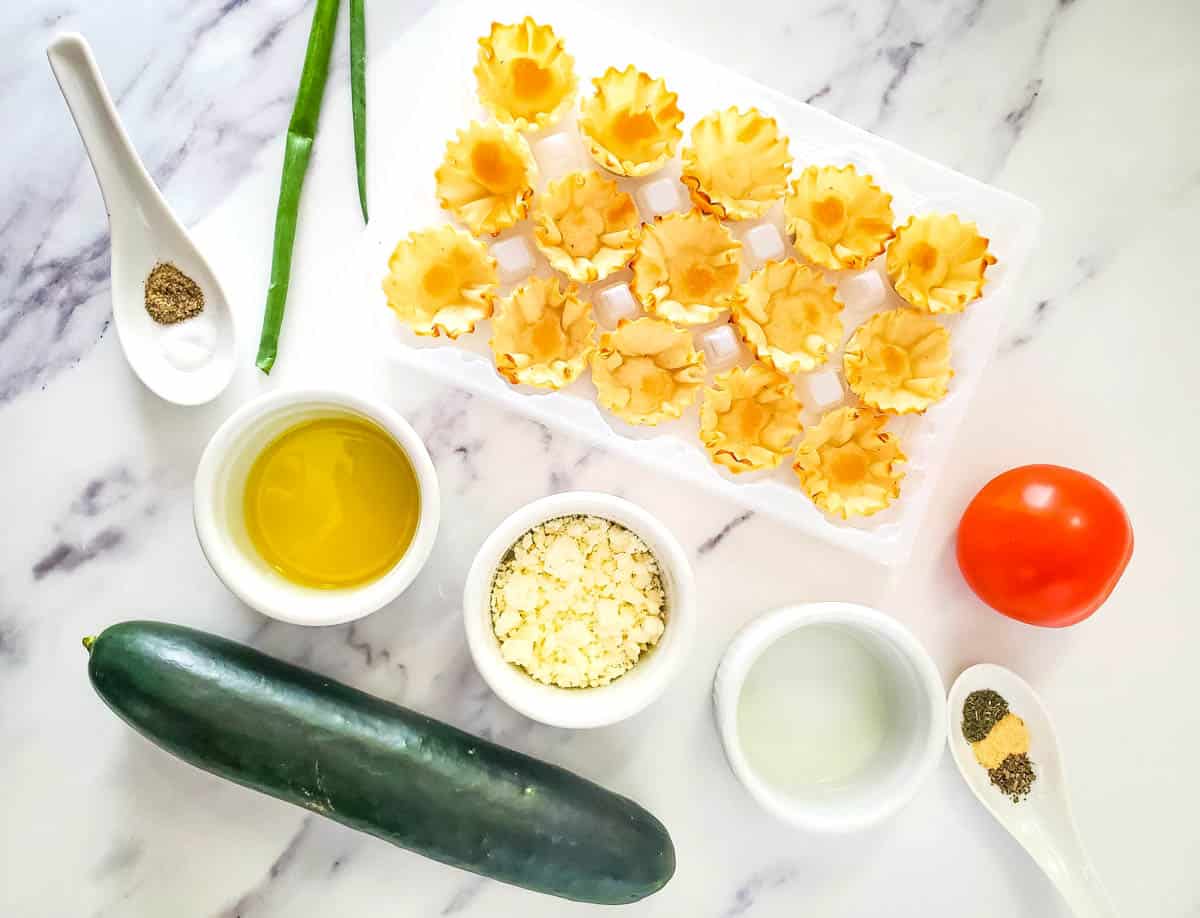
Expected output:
(1044, 544)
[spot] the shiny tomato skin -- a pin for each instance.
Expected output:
(1044, 544)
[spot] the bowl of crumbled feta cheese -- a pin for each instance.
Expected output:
(579, 609)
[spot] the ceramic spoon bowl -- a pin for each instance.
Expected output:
(1042, 822)
(189, 362)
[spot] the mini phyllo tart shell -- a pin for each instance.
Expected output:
(899, 361)
(525, 76)
(937, 262)
(441, 281)
(631, 122)
(486, 179)
(542, 335)
(686, 268)
(647, 370)
(837, 218)
(749, 418)
(737, 165)
(586, 226)
(789, 315)
(848, 464)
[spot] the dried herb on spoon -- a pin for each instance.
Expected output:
(302, 130)
(981, 710)
(1000, 741)
(1014, 776)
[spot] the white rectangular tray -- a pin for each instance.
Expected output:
(428, 74)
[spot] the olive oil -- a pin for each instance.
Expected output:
(332, 503)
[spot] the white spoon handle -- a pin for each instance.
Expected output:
(122, 177)
(1055, 844)
(1084, 892)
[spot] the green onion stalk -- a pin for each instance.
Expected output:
(302, 130)
(358, 97)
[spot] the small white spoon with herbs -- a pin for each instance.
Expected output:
(1027, 790)
(171, 315)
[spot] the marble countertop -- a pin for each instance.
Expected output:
(1078, 105)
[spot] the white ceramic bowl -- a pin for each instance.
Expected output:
(913, 744)
(582, 707)
(220, 524)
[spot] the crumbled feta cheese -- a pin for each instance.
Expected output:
(577, 601)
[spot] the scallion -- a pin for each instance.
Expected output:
(302, 129)
(358, 97)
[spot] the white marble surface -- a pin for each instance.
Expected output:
(1085, 107)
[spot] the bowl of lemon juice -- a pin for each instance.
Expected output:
(831, 714)
(316, 507)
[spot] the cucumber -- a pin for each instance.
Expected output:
(377, 767)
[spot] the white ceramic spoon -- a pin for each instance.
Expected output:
(1042, 822)
(189, 362)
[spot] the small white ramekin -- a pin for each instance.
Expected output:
(217, 506)
(581, 707)
(911, 751)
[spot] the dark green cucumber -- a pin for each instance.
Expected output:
(377, 767)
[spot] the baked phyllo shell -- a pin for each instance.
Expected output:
(525, 77)
(749, 418)
(542, 334)
(486, 179)
(586, 226)
(647, 370)
(837, 218)
(789, 315)
(937, 262)
(898, 361)
(737, 164)
(686, 268)
(848, 464)
(631, 122)
(441, 281)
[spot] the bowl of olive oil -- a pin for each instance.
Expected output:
(316, 507)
